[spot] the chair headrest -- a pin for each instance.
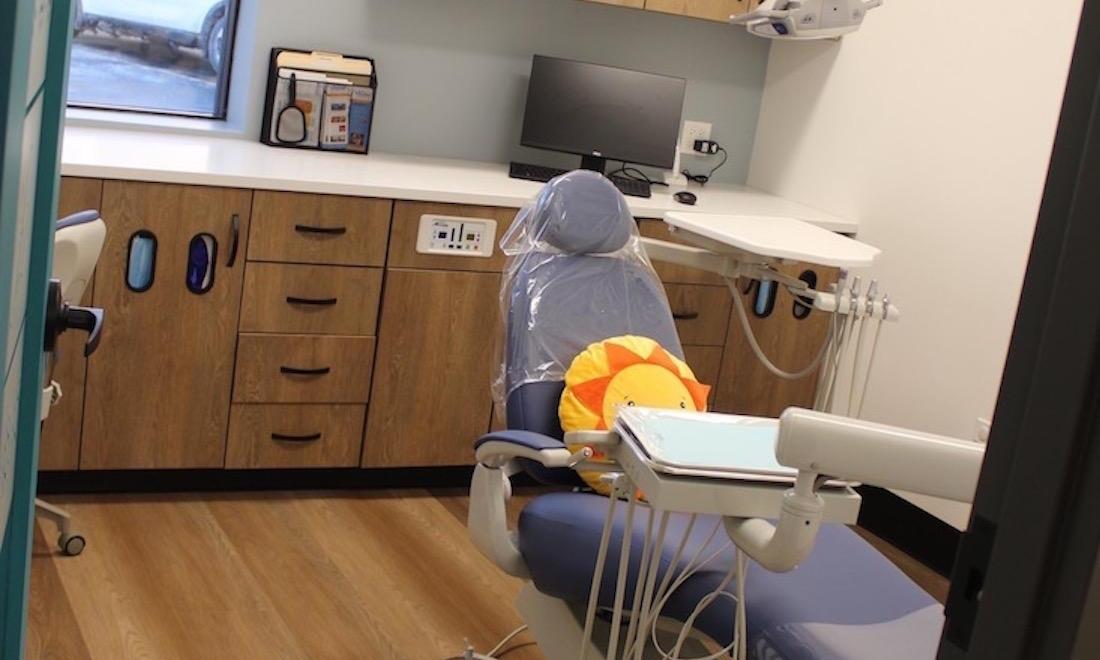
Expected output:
(581, 212)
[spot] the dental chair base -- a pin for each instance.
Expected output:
(558, 629)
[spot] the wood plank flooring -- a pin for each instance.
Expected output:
(340, 575)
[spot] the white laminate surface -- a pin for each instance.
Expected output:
(110, 153)
(779, 237)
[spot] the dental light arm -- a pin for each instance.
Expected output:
(805, 19)
(821, 445)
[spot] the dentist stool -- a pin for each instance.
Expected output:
(78, 241)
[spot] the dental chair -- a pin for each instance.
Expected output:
(577, 275)
(78, 241)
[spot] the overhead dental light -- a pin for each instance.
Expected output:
(803, 20)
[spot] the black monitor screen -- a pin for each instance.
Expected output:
(596, 110)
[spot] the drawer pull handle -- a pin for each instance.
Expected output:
(330, 231)
(295, 371)
(319, 302)
(235, 240)
(685, 316)
(296, 438)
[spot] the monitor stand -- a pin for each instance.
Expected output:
(594, 163)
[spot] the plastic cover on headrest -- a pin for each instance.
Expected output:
(580, 212)
(576, 274)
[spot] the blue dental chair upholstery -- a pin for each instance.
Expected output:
(578, 275)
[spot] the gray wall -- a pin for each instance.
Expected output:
(453, 73)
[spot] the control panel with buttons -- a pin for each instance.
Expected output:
(456, 236)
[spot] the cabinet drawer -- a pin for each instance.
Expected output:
(406, 222)
(294, 435)
(319, 229)
(701, 312)
(336, 300)
(303, 369)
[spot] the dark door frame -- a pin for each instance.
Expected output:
(1023, 568)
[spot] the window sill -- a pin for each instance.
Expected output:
(148, 122)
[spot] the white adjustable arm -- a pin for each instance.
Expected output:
(822, 445)
(878, 454)
(687, 255)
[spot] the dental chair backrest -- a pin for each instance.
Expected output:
(78, 240)
(577, 274)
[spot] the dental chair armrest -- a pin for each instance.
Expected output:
(528, 439)
(490, 490)
(499, 447)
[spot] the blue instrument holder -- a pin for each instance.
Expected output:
(141, 261)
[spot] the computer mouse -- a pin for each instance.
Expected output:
(685, 197)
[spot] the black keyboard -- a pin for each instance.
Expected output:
(626, 186)
(533, 172)
(632, 187)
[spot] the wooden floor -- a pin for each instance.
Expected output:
(371, 575)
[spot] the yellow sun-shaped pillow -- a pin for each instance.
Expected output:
(624, 371)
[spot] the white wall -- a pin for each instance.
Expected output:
(453, 75)
(933, 127)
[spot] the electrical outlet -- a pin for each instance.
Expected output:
(692, 131)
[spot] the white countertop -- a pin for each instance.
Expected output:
(108, 153)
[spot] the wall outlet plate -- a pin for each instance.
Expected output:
(692, 131)
(456, 236)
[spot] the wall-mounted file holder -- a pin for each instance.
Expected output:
(319, 100)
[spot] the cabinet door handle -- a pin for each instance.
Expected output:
(685, 316)
(330, 231)
(295, 371)
(296, 438)
(319, 302)
(234, 241)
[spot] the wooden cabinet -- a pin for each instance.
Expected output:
(701, 312)
(430, 399)
(637, 4)
(158, 387)
(59, 448)
(314, 277)
(330, 341)
(745, 386)
(711, 10)
(706, 362)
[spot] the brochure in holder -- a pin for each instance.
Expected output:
(319, 100)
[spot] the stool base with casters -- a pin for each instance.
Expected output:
(70, 543)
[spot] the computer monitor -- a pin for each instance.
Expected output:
(602, 113)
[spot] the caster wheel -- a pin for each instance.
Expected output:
(71, 545)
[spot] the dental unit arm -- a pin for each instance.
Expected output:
(822, 446)
(731, 265)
